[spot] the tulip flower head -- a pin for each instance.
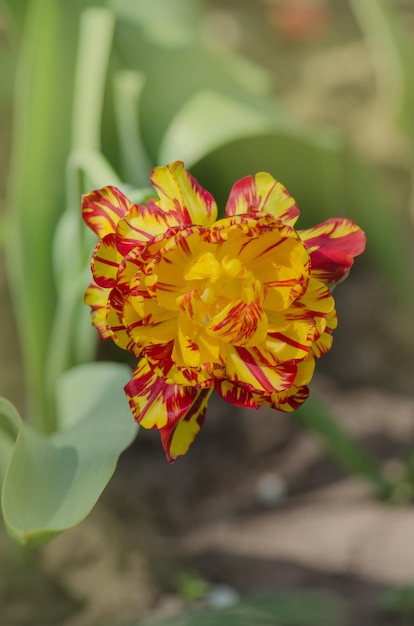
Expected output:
(241, 304)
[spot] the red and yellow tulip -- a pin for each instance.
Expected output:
(240, 304)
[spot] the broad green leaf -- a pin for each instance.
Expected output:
(206, 122)
(9, 427)
(53, 482)
(166, 21)
(183, 71)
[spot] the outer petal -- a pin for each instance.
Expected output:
(332, 246)
(258, 371)
(154, 403)
(116, 325)
(232, 393)
(182, 197)
(177, 437)
(262, 194)
(102, 209)
(324, 342)
(141, 224)
(105, 262)
(97, 298)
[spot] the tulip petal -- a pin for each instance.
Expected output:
(262, 194)
(141, 224)
(332, 246)
(257, 370)
(177, 437)
(102, 209)
(105, 262)
(182, 197)
(153, 402)
(116, 324)
(97, 298)
(232, 393)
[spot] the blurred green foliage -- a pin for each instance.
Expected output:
(106, 90)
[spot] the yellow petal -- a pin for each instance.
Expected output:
(105, 262)
(97, 298)
(262, 194)
(103, 208)
(257, 370)
(182, 197)
(154, 403)
(178, 437)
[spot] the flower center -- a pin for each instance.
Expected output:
(224, 298)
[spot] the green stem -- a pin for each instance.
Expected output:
(136, 162)
(341, 445)
(33, 196)
(85, 166)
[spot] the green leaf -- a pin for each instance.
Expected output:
(41, 137)
(9, 427)
(53, 482)
(346, 450)
(206, 122)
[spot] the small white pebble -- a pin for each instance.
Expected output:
(222, 597)
(270, 489)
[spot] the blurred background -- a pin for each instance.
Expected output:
(273, 519)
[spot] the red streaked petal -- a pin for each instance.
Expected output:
(97, 298)
(324, 342)
(182, 197)
(142, 224)
(177, 437)
(103, 208)
(332, 246)
(105, 262)
(232, 393)
(262, 194)
(239, 323)
(257, 370)
(153, 402)
(289, 401)
(116, 323)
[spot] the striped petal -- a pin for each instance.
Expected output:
(153, 402)
(142, 223)
(103, 208)
(324, 341)
(182, 197)
(257, 370)
(262, 194)
(332, 246)
(177, 437)
(292, 398)
(97, 298)
(289, 339)
(105, 262)
(239, 323)
(116, 324)
(177, 411)
(232, 393)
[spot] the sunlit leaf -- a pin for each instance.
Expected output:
(53, 482)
